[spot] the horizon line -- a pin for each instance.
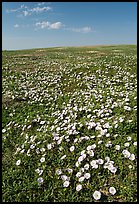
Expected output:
(95, 45)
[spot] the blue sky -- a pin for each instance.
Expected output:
(27, 25)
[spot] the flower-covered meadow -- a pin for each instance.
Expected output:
(69, 124)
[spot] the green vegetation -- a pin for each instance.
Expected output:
(69, 124)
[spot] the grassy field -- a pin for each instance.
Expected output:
(69, 124)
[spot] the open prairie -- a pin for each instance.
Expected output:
(69, 124)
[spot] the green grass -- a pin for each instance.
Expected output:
(68, 88)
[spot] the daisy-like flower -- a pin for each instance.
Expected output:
(75, 140)
(37, 151)
(49, 146)
(127, 108)
(42, 149)
(58, 172)
(72, 148)
(69, 170)
(82, 170)
(121, 119)
(90, 152)
(82, 152)
(29, 127)
(84, 156)
(40, 180)
(40, 172)
(126, 144)
(117, 147)
(100, 161)
(103, 132)
(112, 190)
(93, 146)
(18, 162)
(108, 135)
(106, 125)
(116, 126)
(64, 178)
(113, 169)
(89, 147)
(78, 174)
(126, 153)
(63, 157)
(93, 162)
(132, 157)
(81, 179)
(107, 159)
(129, 138)
(95, 166)
(58, 128)
(78, 187)
(135, 143)
(100, 141)
(130, 166)
(86, 166)
(66, 184)
(97, 195)
(87, 175)
(32, 146)
(42, 122)
(80, 159)
(77, 164)
(3, 130)
(42, 159)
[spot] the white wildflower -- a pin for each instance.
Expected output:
(42, 149)
(89, 147)
(113, 169)
(3, 130)
(42, 159)
(18, 162)
(90, 152)
(32, 146)
(127, 108)
(126, 144)
(112, 190)
(97, 195)
(86, 166)
(78, 174)
(69, 170)
(72, 148)
(40, 180)
(126, 153)
(78, 187)
(64, 178)
(80, 159)
(81, 179)
(100, 161)
(66, 184)
(77, 164)
(63, 157)
(129, 138)
(135, 143)
(42, 122)
(49, 146)
(93, 146)
(130, 166)
(117, 147)
(132, 157)
(87, 175)
(58, 172)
